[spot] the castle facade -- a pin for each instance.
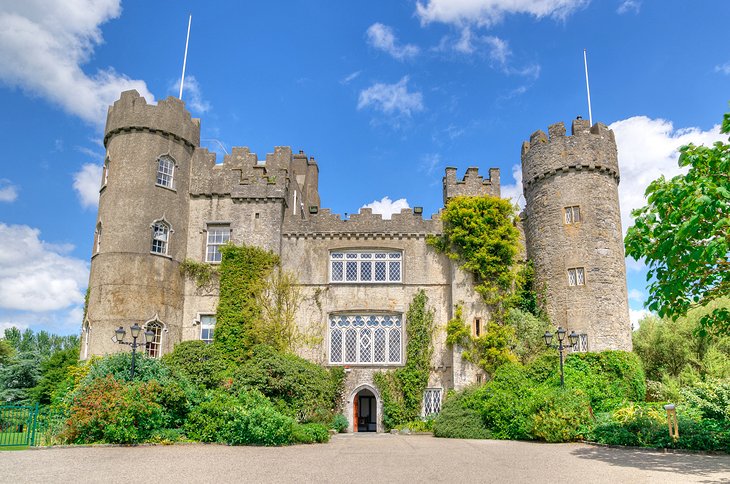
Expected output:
(164, 199)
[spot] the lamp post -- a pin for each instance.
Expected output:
(573, 337)
(134, 330)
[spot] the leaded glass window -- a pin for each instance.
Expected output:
(432, 401)
(165, 171)
(572, 215)
(207, 327)
(217, 236)
(365, 339)
(576, 276)
(153, 348)
(366, 267)
(582, 345)
(160, 236)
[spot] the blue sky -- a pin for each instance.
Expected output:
(384, 94)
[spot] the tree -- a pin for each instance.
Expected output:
(684, 235)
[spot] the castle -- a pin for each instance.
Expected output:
(164, 199)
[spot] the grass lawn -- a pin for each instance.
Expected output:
(13, 440)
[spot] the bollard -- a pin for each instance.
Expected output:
(672, 421)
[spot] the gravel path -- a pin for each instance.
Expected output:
(371, 458)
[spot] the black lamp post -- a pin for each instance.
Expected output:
(135, 329)
(573, 336)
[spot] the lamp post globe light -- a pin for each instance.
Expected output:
(134, 330)
(573, 337)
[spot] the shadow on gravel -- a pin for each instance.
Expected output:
(690, 464)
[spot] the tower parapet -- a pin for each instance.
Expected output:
(573, 231)
(471, 185)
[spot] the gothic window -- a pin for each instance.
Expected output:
(165, 171)
(576, 276)
(207, 326)
(431, 401)
(105, 173)
(217, 236)
(366, 266)
(160, 237)
(97, 238)
(572, 215)
(153, 348)
(365, 339)
(582, 345)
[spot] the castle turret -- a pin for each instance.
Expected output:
(142, 223)
(573, 231)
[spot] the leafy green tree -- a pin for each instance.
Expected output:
(6, 352)
(684, 235)
(53, 373)
(18, 377)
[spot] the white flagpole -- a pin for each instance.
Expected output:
(185, 58)
(588, 88)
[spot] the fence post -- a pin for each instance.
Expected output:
(34, 422)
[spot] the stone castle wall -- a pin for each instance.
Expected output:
(579, 170)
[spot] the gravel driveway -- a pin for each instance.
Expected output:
(371, 458)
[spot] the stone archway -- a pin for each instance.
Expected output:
(365, 410)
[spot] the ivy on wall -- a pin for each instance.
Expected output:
(201, 272)
(401, 390)
(480, 233)
(243, 277)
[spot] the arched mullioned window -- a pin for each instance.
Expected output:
(97, 238)
(153, 348)
(161, 231)
(165, 171)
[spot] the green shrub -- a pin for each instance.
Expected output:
(310, 433)
(118, 365)
(297, 387)
(710, 398)
(458, 420)
(420, 425)
(201, 363)
(111, 411)
(246, 419)
(506, 403)
(340, 423)
(560, 415)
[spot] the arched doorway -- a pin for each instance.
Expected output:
(365, 411)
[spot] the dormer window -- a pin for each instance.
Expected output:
(165, 171)
(374, 267)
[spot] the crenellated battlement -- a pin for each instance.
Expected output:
(591, 148)
(472, 184)
(364, 224)
(168, 117)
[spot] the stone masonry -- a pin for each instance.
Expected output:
(274, 203)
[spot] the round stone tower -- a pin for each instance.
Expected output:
(141, 231)
(573, 232)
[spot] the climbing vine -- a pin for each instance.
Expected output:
(201, 272)
(480, 233)
(402, 390)
(243, 277)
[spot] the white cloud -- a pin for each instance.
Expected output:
(387, 207)
(44, 43)
(723, 68)
(37, 276)
(637, 315)
(490, 12)
(86, 183)
(12, 324)
(647, 148)
(382, 37)
(8, 191)
(192, 95)
(430, 162)
(391, 98)
(636, 296)
(351, 77)
(629, 6)
(513, 191)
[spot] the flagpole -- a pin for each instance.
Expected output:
(588, 88)
(185, 58)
